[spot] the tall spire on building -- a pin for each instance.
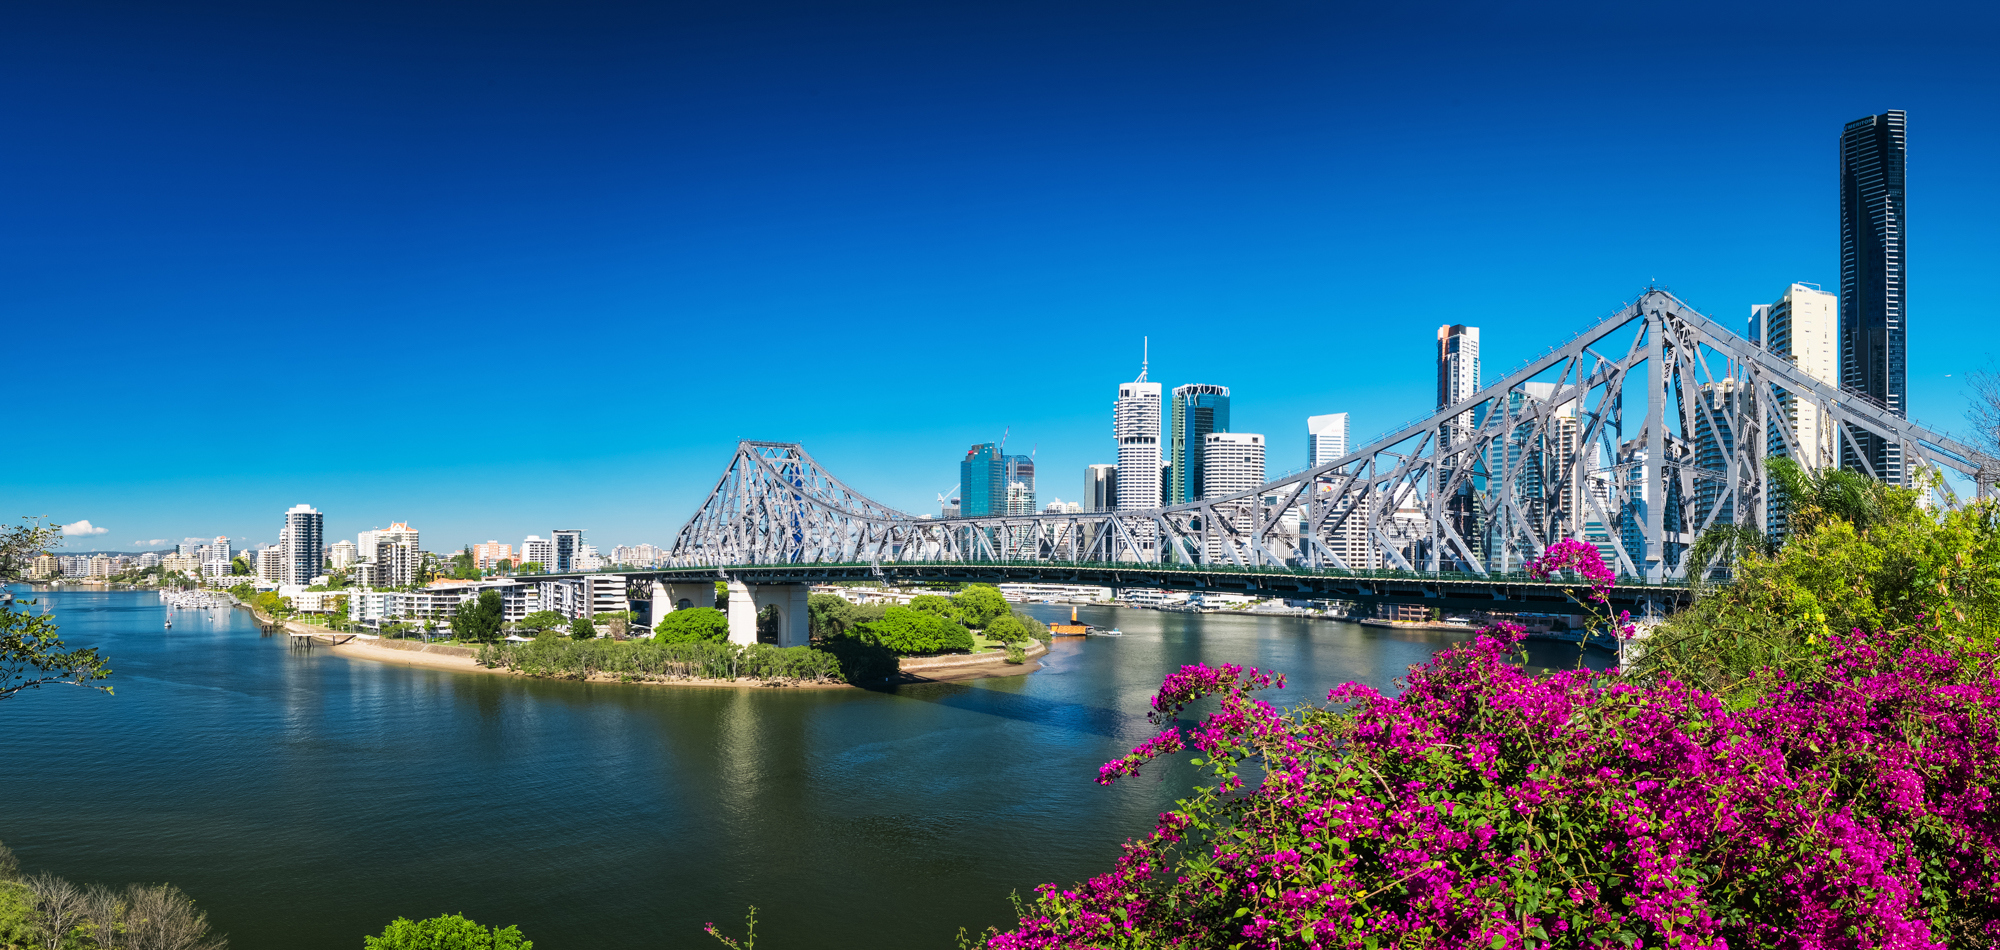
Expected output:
(1145, 356)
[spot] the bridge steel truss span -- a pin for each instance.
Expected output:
(1636, 435)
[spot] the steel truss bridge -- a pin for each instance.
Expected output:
(1635, 435)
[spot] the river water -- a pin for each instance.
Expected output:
(305, 799)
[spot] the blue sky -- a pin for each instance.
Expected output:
(497, 268)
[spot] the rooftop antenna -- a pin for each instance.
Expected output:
(1003, 439)
(1145, 356)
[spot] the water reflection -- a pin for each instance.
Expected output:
(306, 798)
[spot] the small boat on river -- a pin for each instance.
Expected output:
(1075, 627)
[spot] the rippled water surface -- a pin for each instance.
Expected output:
(306, 799)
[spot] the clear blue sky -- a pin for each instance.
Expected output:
(495, 268)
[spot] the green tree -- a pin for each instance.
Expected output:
(531, 567)
(1007, 628)
(979, 604)
(832, 616)
(582, 629)
(908, 631)
(692, 625)
(238, 567)
(478, 619)
(542, 620)
(31, 654)
(448, 932)
(939, 606)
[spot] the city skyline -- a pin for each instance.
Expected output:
(132, 260)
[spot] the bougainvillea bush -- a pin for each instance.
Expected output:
(1488, 807)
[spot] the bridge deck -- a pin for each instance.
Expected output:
(1449, 591)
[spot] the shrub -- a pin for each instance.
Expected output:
(1862, 555)
(653, 660)
(1488, 807)
(914, 632)
(693, 625)
(1016, 653)
(582, 629)
(449, 932)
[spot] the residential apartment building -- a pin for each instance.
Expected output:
(1802, 327)
(305, 531)
(566, 546)
(1873, 266)
(342, 554)
(538, 550)
(489, 555)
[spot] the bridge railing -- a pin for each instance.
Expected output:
(1462, 577)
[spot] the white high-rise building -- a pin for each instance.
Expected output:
(1326, 438)
(1458, 377)
(1803, 326)
(1231, 462)
(539, 550)
(215, 558)
(397, 557)
(1135, 423)
(341, 554)
(273, 564)
(306, 529)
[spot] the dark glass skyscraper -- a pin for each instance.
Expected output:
(982, 482)
(1873, 279)
(1198, 410)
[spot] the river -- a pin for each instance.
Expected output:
(306, 799)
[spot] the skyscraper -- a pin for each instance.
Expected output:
(1018, 472)
(1458, 377)
(1233, 461)
(1802, 327)
(1135, 423)
(1198, 410)
(982, 482)
(1458, 380)
(1326, 438)
(1873, 227)
(305, 532)
(567, 544)
(1100, 488)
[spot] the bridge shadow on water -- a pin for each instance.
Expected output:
(1041, 711)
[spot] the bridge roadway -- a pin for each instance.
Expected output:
(1450, 592)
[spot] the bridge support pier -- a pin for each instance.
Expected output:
(746, 601)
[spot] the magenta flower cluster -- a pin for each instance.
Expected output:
(1487, 807)
(1584, 561)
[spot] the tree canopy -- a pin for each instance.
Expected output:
(478, 620)
(582, 629)
(907, 631)
(542, 620)
(979, 604)
(692, 625)
(1007, 628)
(448, 932)
(833, 616)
